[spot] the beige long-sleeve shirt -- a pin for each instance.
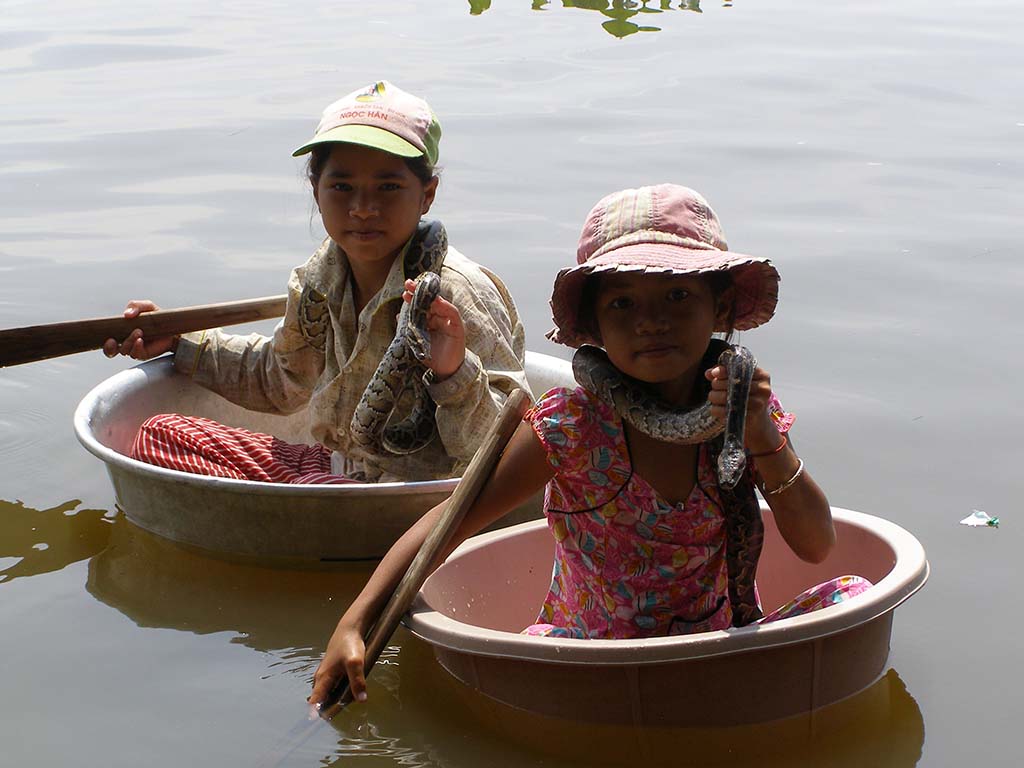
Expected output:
(322, 356)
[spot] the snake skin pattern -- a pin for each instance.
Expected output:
(732, 459)
(314, 317)
(639, 407)
(744, 537)
(374, 425)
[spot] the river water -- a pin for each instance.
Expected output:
(872, 149)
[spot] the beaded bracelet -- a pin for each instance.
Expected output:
(773, 451)
(788, 483)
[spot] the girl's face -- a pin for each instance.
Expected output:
(370, 202)
(656, 328)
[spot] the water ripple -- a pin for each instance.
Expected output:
(20, 39)
(84, 55)
(23, 429)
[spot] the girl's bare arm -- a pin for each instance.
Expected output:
(522, 470)
(800, 507)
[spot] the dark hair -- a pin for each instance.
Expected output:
(586, 314)
(419, 166)
(721, 282)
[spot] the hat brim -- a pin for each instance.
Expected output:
(367, 136)
(755, 280)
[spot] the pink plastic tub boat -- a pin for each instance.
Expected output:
(472, 608)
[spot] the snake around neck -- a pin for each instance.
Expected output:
(375, 424)
(638, 406)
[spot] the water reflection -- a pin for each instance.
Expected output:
(417, 712)
(286, 614)
(619, 12)
(36, 541)
(360, 738)
(881, 726)
(157, 583)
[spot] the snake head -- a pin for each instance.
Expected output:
(419, 343)
(731, 463)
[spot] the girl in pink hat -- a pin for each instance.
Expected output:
(371, 169)
(649, 541)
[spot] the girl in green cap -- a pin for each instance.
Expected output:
(371, 167)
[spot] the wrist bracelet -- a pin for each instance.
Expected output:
(773, 451)
(788, 483)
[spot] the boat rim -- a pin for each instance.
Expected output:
(908, 575)
(110, 386)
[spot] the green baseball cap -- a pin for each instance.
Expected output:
(381, 116)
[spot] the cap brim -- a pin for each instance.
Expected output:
(367, 136)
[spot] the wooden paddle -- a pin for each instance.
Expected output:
(461, 500)
(387, 622)
(41, 342)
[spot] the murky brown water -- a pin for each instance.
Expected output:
(873, 149)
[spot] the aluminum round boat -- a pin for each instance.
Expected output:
(472, 609)
(304, 524)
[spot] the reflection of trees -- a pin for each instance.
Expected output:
(46, 540)
(619, 12)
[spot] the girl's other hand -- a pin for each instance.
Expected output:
(345, 657)
(447, 335)
(135, 346)
(761, 434)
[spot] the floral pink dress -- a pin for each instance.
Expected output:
(627, 563)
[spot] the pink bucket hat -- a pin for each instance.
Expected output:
(381, 116)
(665, 229)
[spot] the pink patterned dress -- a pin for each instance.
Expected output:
(627, 563)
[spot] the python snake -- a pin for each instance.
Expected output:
(637, 405)
(375, 425)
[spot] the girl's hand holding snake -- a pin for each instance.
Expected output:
(447, 335)
(761, 435)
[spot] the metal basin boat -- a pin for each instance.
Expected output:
(302, 524)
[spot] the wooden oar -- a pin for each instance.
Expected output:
(459, 503)
(461, 500)
(40, 342)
